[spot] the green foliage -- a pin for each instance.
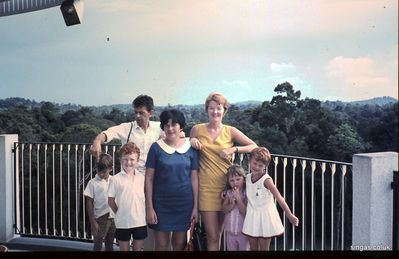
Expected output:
(81, 133)
(286, 124)
(345, 142)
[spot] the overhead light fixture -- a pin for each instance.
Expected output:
(72, 10)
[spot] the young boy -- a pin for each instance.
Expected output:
(100, 216)
(126, 198)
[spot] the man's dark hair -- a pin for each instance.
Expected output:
(175, 115)
(144, 101)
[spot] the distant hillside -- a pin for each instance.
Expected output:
(127, 108)
(378, 101)
(17, 101)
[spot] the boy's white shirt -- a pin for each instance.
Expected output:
(97, 189)
(129, 198)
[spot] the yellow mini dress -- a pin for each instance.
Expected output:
(213, 168)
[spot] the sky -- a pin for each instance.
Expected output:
(180, 51)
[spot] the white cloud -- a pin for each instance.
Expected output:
(358, 78)
(282, 68)
(355, 71)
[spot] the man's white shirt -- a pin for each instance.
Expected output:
(137, 136)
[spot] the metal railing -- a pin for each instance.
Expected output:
(50, 179)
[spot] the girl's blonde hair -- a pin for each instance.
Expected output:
(218, 98)
(235, 170)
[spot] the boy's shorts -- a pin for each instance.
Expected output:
(125, 234)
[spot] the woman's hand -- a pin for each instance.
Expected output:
(195, 143)
(151, 216)
(194, 215)
(227, 152)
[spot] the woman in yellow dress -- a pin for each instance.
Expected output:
(215, 142)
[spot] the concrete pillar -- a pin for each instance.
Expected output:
(372, 200)
(7, 187)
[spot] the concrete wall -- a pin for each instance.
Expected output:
(372, 200)
(7, 187)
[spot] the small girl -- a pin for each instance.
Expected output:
(262, 221)
(234, 206)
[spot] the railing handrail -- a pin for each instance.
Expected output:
(272, 154)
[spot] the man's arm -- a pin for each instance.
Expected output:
(96, 147)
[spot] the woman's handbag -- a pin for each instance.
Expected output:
(199, 237)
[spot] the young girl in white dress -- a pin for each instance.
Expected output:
(262, 221)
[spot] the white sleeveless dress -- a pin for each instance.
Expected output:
(262, 218)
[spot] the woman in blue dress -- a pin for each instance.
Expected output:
(171, 184)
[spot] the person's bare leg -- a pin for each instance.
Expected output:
(137, 245)
(161, 240)
(213, 221)
(264, 243)
(253, 243)
(124, 245)
(179, 241)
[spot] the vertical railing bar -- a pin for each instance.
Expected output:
(294, 164)
(275, 181)
(312, 206)
(61, 196)
(303, 162)
(284, 196)
(333, 170)
(23, 188)
(45, 189)
(343, 206)
(38, 187)
(76, 192)
(323, 170)
(54, 202)
(69, 190)
(17, 198)
(83, 197)
(30, 188)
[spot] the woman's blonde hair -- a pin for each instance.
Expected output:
(218, 98)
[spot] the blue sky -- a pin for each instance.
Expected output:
(180, 51)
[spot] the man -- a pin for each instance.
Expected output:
(142, 131)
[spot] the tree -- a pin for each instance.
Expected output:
(344, 143)
(81, 133)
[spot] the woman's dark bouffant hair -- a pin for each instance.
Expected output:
(175, 116)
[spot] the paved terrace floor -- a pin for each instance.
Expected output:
(26, 244)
